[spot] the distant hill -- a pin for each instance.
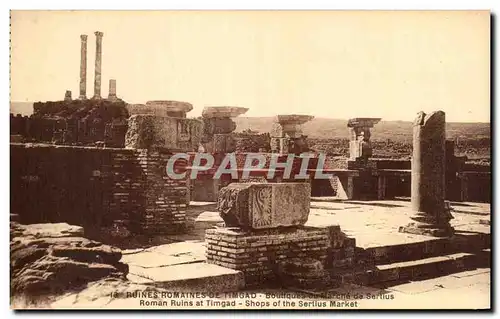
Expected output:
(326, 128)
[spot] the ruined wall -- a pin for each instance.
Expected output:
(77, 122)
(246, 143)
(96, 187)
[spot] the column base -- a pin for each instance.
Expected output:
(425, 224)
(416, 229)
(82, 97)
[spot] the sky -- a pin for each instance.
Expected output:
(335, 64)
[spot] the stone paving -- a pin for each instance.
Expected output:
(466, 290)
(376, 223)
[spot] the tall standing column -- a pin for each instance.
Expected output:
(83, 67)
(98, 61)
(432, 216)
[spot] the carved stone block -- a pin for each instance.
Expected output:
(264, 205)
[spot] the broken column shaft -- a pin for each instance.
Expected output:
(112, 90)
(432, 216)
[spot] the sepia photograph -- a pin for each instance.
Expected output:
(250, 160)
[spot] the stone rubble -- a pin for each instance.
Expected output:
(51, 259)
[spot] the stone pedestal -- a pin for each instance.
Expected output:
(286, 134)
(292, 257)
(432, 215)
(359, 132)
(264, 205)
(259, 254)
(218, 126)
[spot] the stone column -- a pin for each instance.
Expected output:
(98, 62)
(218, 127)
(217, 139)
(432, 216)
(112, 90)
(360, 147)
(286, 134)
(83, 67)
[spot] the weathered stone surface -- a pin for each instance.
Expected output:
(291, 125)
(286, 134)
(159, 132)
(276, 130)
(263, 205)
(222, 143)
(47, 230)
(49, 259)
(223, 111)
(363, 122)
(360, 146)
(193, 277)
(172, 108)
(134, 109)
(217, 125)
(293, 119)
(161, 108)
(280, 145)
(304, 273)
(428, 177)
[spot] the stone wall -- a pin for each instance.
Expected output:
(154, 132)
(77, 122)
(97, 188)
(246, 142)
(259, 254)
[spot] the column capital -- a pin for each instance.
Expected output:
(99, 34)
(83, 37)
